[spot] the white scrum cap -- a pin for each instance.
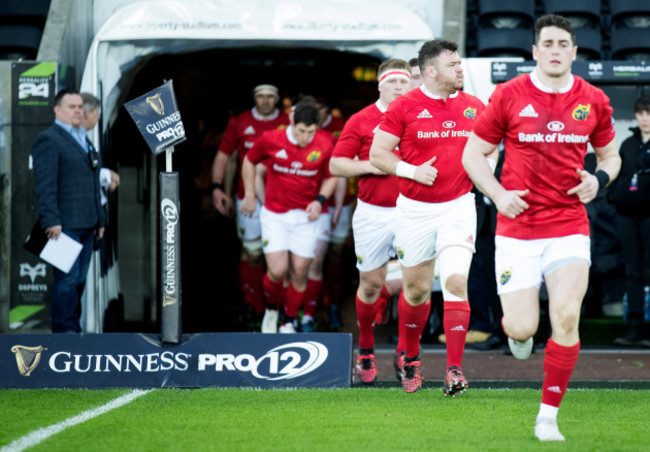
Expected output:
(266, 89)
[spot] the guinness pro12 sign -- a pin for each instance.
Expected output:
(158, 118)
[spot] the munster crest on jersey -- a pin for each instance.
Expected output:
(470, 113)
(581, 112)
(313, 156)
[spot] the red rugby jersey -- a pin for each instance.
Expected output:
(242, 131)
(545, 136)
(294, 175)
(355, 141)
(428, 127)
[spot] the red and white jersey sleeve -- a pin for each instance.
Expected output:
(431, 127)
(355, 141)
(294, 174)
(545, 136)
(242, 131)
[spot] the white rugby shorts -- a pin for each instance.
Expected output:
(289, 231)
(374, 235)
(248, 228)
(522, 264)
(423, 229)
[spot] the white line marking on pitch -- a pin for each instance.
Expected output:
(40, 435)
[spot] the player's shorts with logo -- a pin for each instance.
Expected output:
(374, 235)
(522, 264)
(422, 229)
(289, 231)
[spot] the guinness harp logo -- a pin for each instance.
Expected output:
(27, 358)
(156, 103)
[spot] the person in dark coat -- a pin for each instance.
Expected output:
(66, 175)
(630, 194)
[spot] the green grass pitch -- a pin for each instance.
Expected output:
(357, 419)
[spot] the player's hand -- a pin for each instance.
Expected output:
(223, 203)
(115, 181)
(247, 206)
(588, 187)
(426, 173)
(510, 202)
(53, 232)
(100, 233)
(314, 210)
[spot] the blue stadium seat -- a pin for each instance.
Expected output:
(506, 14)
(24, 8)
(581, 13)
(21, 27)
(590, 44)
(515, 42)
(630, 29)
(630, 43)
(630, 13)
(19, 41)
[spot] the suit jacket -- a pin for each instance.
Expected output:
(67, 186)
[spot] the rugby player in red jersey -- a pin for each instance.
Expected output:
(335, 229)
(373, 223)
(546, 118)
(298, 183)
(436, 213)
(241, 132)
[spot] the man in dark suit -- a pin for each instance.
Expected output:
(66, 173)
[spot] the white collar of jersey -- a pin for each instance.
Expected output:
(291, 139)
(432, 96)
(380, 106)
(542, 87)
(259, 117)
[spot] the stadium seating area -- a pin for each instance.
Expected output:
(21, 28)
(605, 29)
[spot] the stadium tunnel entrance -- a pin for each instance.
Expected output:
(210, 87)
(314, 51)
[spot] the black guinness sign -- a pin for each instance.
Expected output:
(157, 117)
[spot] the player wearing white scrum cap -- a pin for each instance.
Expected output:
(266, 89)
(240, 134)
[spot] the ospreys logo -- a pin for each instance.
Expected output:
(32, 272)
(313, 156)
(470, 113)
(156, 103)
(400, 253)
(581, 112)
(505, 277)
(27, 358)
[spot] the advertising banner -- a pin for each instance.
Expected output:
(619, 72)
(33, 90)
(127, 360)
(170, 257)
(158, 118)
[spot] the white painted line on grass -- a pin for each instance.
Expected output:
(40, 435)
